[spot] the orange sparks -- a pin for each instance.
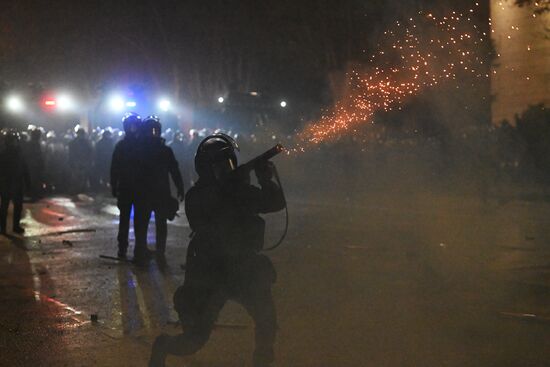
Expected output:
(411, 63)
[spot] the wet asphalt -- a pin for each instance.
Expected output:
(384, 280)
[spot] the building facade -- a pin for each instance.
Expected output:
(521, 70)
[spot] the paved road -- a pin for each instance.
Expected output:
(389, 280)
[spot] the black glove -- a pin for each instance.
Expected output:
(264, 171)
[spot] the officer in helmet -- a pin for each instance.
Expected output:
(34, 155)
(104, 149)
(80, 160)
(124, 165)
(14, 178)
(157, 165)
(223, 260)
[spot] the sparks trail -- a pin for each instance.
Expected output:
(420, 53)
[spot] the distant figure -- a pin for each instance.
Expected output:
(14, 178)
(168, 135)
(179, 147)
(223, 262)
(55, 163)
(192, 145)
(123, 177)
(102, 159)
(157, 165)
(34, 156)
(80, 160)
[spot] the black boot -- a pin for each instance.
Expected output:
(158, 355)
(161, 249)
(142, 255)
(122, 248)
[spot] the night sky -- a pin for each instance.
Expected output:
(194, 49)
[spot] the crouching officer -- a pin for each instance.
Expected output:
(14, 178)
(223, 260)
(123, 177)
(157, 165)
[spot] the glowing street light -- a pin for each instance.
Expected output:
(221, 99)
(164, 105)
(131, 104)
(116, 103)
(65, 103)
(283, 104)
(15, 104)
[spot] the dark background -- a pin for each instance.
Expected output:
(196, 51)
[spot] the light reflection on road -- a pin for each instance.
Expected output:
(63, 240)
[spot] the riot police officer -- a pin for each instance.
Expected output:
(34, 156)
(157, 164)
(103, 152)
(179, 146)
(14, 178)
(80, 162)
(123, 177)
(223, 260)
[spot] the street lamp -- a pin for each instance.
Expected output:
(221, 99)
(15, 104)
(164, 105)
(116, 103)
(283, 104)
(65, 103)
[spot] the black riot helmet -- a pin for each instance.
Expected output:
(152, 127)
(216, 157)
(11, 138)
(36, 134)
(107, 133)
(80, 132)
(131, 122)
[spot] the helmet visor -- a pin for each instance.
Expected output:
(223, 167)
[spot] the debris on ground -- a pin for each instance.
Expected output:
(525, 316)
(84, 230)
(85, 198)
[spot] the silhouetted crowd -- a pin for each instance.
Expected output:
(478, 159)
(78, 161)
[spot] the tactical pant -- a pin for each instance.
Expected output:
(199, 307)
(80, 177)
(124, 204)
(37, 180)
(17, 200)
(142, 217)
